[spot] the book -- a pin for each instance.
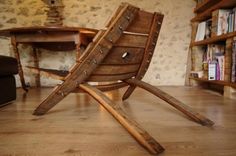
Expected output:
(212, 71)
(233, 67)
(220, 22)
(220, 60)
(208, 29)
(201, 31)
(230, 22)
(234, 22)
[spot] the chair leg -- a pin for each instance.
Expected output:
(130, 125)
(128, 92)
(59, 93)
(172, 101)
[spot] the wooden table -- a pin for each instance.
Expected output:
(50, 38)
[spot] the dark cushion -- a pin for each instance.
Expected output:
(8, 89)
(8, 66)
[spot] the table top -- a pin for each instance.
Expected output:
(50, 37)
(40, 29)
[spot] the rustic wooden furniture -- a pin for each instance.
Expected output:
(50, 38)
(120, 54)
(203, 11)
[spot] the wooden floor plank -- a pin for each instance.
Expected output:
(79, 126)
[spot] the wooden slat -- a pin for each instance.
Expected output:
(114, 15)
(38, 29)
(142, 23)
(46, 37)
(82, 71)
(146, 140)
(105, 72)
(214, 39)
(150, 46)
(135, 56)
(106, 78)
(104, 88)
(52, 73)
(223, 83)
(223, 4)
(205, 5)
(173, 102)
(132, 40)
(115, 69)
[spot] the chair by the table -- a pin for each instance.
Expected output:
(119, 54)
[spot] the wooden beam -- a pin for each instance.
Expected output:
(172, 101)
(130, 125)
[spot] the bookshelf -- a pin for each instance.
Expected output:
(205, 11)
(223, 37)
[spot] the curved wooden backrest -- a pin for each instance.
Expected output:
(131, 54)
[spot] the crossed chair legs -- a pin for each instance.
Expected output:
(130, 125)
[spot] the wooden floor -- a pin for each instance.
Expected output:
(79, 126)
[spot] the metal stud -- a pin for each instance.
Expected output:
(128, 18)
(159, 23)
(110, 40)
(61, 93)
(94, 61)
(77, 83)
(100, 50)
(85, 72)
(156, 34)
(153, 43)
(121, 28)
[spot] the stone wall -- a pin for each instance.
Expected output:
(168, 64)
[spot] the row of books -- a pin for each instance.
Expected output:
(214, 62)
(223, 21)
(219, 62)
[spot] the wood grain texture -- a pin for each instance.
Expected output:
(90, 61)
(134, 56)
(107, 77)
(172, 101)
(131, 40)
(17, 56)
(105, 87)
(149, 50)
(130, 125)
(79, 126)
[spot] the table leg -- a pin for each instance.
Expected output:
(36, 64)
(17, 56)
(78, 52)
(78, 44)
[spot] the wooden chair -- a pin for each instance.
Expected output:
(120, 54)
